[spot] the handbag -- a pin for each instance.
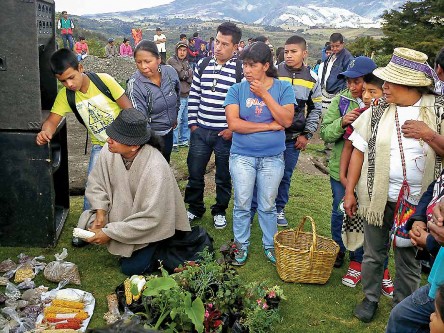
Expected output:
(405, 208)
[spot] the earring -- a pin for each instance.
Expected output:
(159, 69)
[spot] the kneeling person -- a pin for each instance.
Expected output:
(135, 200)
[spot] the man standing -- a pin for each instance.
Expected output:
(335, 64)
(160, 40)
(208, 124)
(180, 63)
(66, 26)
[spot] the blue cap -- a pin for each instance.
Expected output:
(359, 66)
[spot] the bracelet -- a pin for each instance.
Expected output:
(432, 138)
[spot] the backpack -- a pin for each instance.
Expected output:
(206, 61)
(71, 95)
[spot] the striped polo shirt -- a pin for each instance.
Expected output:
(205, 106)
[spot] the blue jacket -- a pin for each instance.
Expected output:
(333, 85)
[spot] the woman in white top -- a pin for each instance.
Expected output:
(398, 142)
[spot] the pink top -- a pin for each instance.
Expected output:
(81, 48)
(126, 50)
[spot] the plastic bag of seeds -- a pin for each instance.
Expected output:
(61, 270)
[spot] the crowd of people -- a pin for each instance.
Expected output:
(256, 110)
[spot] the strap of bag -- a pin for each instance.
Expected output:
(203, 65)
(100, 85)
(239, 71)
(401, 150)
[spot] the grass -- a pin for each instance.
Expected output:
(309, 308)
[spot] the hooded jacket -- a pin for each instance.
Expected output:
(184, 71)
(333, 85)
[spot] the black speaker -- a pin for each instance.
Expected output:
(27, 39)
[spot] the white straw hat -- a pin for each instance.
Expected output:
(407, 67)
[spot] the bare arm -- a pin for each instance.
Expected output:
(236, 124)
(48, 129)
(354, 172)
(123, 102)
(345, 161)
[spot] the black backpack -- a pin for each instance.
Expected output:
(71, 97)
(206, 61)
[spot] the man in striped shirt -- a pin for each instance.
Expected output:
(208, 125)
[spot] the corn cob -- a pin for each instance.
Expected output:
(68, 304)
(79, 315)
(75, 326)
(128, 294)
(67, 320)
(59, 309)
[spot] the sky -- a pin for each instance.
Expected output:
(80, 7)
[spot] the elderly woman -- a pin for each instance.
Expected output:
(154, 90)
(397, 143)
(257, 111)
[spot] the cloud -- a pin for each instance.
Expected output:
(80, 7)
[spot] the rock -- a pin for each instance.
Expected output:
(120, 68)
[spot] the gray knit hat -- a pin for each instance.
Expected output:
(130, 128)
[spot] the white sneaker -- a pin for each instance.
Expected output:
(281, 220)
(191, 216)
(220, 221)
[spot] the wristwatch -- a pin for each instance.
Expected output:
(308, 135)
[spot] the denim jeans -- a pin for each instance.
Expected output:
(266, 173)
(291, 155)
(95, 151)
(167, 145)
(182, 132)
(203, 142)
(337, 217)
(68, 41)
(141, 261)
(412, 314)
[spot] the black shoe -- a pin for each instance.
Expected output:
(339, 260)
(365, 311)
(78, 242)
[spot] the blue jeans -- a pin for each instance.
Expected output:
(291, 155)
(412, 314)
(337, 217)
(203, 142)
(182, 132)
(68, 40)
(141, 261)
(95, 151)
(266, 173)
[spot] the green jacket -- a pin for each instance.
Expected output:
(331, 129)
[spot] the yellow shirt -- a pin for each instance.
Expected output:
(96, 110)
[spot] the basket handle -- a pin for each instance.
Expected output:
(313, 227)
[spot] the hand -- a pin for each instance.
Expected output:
(175, 124)
(258, 88)
(275, 126)
(437, 232)
(349, 118)
(192, 128)
(418, 234)
(226, 134)
(438, 213)
(43, 137)
(350, 204)
(301, 142)
(98, 223)
(99, 238)
(417, 227)
(416, 129)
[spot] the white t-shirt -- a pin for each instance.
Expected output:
(161, 47)
(415, 154)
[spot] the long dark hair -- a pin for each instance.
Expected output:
(147, 45)
(260, 52)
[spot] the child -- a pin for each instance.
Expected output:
(372, 89)
(436, 318)
(96, 110)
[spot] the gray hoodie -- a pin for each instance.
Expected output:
(185, 73)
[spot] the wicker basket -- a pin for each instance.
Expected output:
(304, 257)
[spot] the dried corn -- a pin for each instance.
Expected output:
(59, 309)
(128, 294)
(68, 304)
(79, 315)
(67, 320)
(23, 272)
(74, 326)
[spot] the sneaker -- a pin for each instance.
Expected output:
(220, 221)
(387, 286)
(192, 217)
(339, 260)
(365, 311)
(353, 275)
(269, 253)
(175, 148)
(184, 144)
(240, 258)
(281, 220)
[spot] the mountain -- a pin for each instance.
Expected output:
(288, 13)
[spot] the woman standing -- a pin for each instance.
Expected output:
(257, 111)
(154, 91)
(397, 143)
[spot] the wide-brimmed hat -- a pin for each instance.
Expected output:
(130, 128)
(407, 67)
(358, 67)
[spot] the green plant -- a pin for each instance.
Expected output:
(260, 319)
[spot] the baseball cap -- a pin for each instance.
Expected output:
(158, 29)
(110, 40)
(359, 66)
(181, 44)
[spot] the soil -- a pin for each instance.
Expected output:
(78, 161)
